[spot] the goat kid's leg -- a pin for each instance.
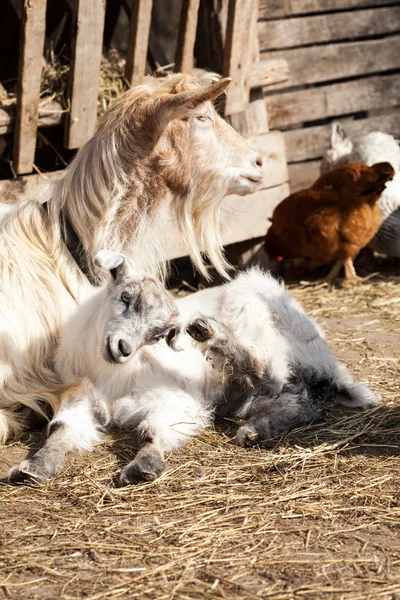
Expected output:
(220, 345)
(172, 417)
(149, 462)
(74, 428)
(269, 417)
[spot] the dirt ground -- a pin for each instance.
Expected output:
(314, 515)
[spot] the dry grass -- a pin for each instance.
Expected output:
(54, 84)
(315, 515)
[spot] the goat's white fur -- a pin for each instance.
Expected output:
(174, 394)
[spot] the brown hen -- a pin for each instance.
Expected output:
(332, 220)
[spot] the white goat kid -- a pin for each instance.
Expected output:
(256, 355)
(126, 381)
(274, 365)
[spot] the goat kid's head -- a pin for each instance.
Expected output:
(137, 311)
(339, 151)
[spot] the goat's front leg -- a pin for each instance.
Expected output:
(237, 370)
(170, 418)
(149, 462)
(268, 417)
(74, 428)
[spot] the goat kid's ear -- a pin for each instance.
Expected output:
(178, 106)
(112, 262)
(338, 134)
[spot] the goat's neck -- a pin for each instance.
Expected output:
(115, 207)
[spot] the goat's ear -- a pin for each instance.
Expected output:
(178, 106)
(111, 261)
(338, 134)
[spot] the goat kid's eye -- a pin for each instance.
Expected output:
(125, 297)
(202, 118)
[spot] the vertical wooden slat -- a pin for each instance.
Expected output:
(84, 75)
(139, 30)
(238, 52)
(29, 75)
(254, 120)
(186, 36)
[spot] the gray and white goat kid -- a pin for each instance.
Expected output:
(255, 355)
(273, 366)
(117, 376)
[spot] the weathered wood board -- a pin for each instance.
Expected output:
(302, 175)
(272, 9)
(24, 188)
(29, 76)
(139, 30)
(238, 52)
(186, 36)
(312, 142)
(271, 147)
(85, 71)
(331, 27)
(317, 64)
(342, 98)
(49, 114)
(241, 218)
(268, 72)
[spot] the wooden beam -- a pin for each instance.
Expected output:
(186, 36)
(48, 115)
(238, 52)
(270, 9)
(326, 28)
(303, 175)
(271, 147)
(312, 142)
(239, 220)
(139, 29)
(269, 72)
(29, 78)
(316, 64)
(87, 42)
(22, 188)
(292, 108)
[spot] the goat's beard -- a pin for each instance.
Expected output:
(199, 220)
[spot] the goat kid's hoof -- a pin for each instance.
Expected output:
(246, 436)
(200, 330)
(25, 473)
(142, 470)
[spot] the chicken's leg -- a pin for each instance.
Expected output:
(333, 272)
(350, 274)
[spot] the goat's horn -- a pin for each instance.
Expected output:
(192, 98)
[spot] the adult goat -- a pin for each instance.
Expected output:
(161, 146)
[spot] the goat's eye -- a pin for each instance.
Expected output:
(125, 297)
(202, 118)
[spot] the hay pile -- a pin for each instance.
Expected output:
(314, 515)
(54, 83)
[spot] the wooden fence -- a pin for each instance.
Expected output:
(242, 219)
(344, 58)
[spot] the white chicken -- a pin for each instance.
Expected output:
(372, 148)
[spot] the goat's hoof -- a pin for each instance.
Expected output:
(144, 469)
(246, 436)
(26, 474)
(200, 330)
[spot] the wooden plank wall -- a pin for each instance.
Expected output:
(344, 60)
